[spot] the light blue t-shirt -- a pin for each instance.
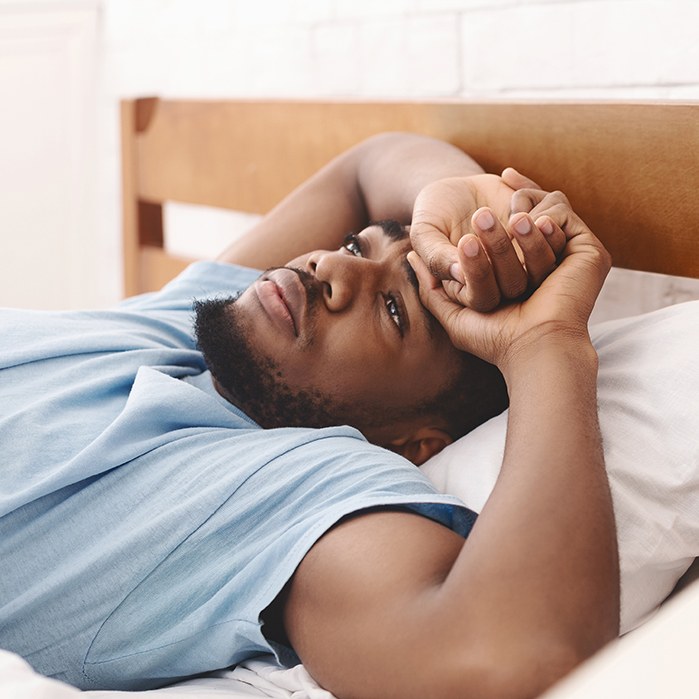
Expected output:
(145, 522)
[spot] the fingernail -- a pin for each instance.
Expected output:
(470, 246)
(545, 226)
(485, 220)
(523, 226)
(456, 273)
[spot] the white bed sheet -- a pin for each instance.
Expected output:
(261, 677)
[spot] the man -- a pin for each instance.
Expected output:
(151, 530)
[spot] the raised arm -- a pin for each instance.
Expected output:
(392, 605)
(377, 179)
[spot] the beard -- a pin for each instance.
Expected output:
(249, 379)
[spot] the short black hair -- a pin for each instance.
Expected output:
(476, 393)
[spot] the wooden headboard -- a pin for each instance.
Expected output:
(630, 170)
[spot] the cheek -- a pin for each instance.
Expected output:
(350, 366)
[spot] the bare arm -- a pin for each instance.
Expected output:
(393, 605)
(377, 179)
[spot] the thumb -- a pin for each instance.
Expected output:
(516, 180)
(436, 252)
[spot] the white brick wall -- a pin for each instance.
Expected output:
(481, 49)
(407, 47)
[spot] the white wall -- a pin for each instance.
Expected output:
(480, 49)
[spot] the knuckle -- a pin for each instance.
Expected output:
(434, 266)
(453, 289)
(521, 202)
(558, 196)
(499, 245)
(558, 212)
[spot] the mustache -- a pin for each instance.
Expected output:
(311, 285)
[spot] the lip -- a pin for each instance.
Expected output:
(283, 297)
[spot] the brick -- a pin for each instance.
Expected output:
(251, 13)
(335, 49)
(417, 56)
(522, 47)
(312, 11)
(580, 44)
(373, 9)
(276, 61)
(637, 43)
(462, 5)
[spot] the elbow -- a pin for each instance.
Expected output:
(506, 674)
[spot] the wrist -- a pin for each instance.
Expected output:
(550, 344)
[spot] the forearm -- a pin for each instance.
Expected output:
(395, 167)
(539, 572)
(531, 592)
(376, 179)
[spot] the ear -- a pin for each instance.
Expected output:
(421, 444)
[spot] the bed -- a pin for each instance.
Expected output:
(630, 170)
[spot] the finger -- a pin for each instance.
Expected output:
(431, 295)
(435, 300)
(559, 212)
(527, 194)
(538, 255)
(435, 249)
(507, 268)
(480, 288)
(480, 291)
(548, 201)
(526, 200)
(456, 291)
(553, 233)
(516, 180)
(424, 276)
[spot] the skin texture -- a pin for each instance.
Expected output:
(349, 327)
(388, 603)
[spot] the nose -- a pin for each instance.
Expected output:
(344, 277)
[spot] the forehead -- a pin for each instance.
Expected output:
(397, 240)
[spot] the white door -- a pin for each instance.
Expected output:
(47, 152)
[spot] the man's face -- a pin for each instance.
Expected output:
(334, 337)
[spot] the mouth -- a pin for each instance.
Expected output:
(283, 296)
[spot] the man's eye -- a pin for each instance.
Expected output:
(351, 244)
(395, 312)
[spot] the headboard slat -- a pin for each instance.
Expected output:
(630, 170)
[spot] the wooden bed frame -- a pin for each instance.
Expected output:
(630, 170)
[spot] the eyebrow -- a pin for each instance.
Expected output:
(394, 231)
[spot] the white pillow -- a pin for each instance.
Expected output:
(648, 392)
